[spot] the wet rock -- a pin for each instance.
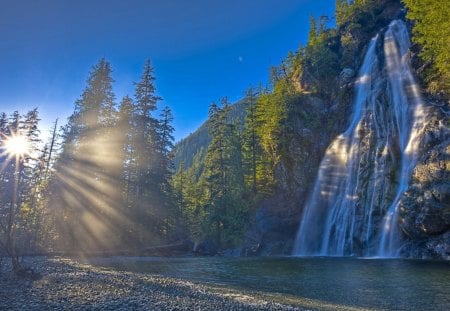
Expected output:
(432, 248)
(233, 252)
(425, 207)
(441, 192)
(346, 76)
(206, 248)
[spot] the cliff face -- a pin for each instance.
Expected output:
(423, 217)
(387, 176)
(276, 220)
(425, 206)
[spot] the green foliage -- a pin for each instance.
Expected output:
(223, 169)
(350, 12)
(363, 12)
(113, 187)
(196, 143)
(251, 145)
(432, 31)
(210, 191)
(357, 21)
(322, 63)
(271, 114)
(316, 66)
(190, 190)
(23, 180)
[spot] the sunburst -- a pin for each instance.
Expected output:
(15, 145)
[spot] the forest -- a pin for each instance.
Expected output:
(111, 178)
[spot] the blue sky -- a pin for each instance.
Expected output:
(201, 50)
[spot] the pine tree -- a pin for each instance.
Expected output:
(125, 128)
(432, 31)
(165, 132)
(88, 165)
(223, 174)
(215, 157)
(152, 144)
(165, 145)
(312, 34)
(18, 183)
(341, 12)
(145, 142)
(251, 140)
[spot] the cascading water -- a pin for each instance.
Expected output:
(410, 116)
(353, 209)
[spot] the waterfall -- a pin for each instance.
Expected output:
(410, 116)
(353, 208)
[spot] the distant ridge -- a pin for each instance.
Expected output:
(196, 143)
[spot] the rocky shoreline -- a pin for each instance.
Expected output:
(65, 284)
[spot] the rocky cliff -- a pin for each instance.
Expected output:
(424, 207)
(314, 121)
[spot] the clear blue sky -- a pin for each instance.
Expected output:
(201, 50)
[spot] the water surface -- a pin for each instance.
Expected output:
(348, 283)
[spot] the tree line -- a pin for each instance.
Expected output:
(103, 181)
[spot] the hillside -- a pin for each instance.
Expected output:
(196, 143)
(298, 122)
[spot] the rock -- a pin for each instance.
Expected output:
(233, 252)
(274, 227)
(425, 207)
(206, 248)
(441, 192)
(346, 76)
(307, 133)
(434, 248)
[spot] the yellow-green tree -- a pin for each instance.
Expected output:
(432, 31)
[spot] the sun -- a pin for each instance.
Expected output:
(16, 145)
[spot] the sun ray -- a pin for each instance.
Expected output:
(15, 145)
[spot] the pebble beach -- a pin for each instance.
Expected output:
(66, 284)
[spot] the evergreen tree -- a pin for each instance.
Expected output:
(432, 31)
(165, 145)
(215, 157)
(165, 132)
(125, 129)
(251, 144)
(341, 12)
(18, 182)
(312, 34)
(223, 174)
(152, 143)
(145, 142)
(87, 169)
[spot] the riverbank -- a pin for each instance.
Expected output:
(68, 284)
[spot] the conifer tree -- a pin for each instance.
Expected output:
(145, 142)
(87, 166)
(251, 141)
(432, 31)
(18, 182)
(125, 131)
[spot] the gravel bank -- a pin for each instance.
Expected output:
(68, 285)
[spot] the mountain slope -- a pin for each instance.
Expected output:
(196, 143)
